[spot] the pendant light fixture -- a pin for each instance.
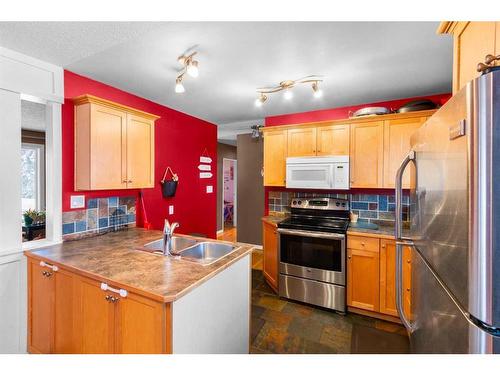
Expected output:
(190, 66)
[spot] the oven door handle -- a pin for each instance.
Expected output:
(304, 233)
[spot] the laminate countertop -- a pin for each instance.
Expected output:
(113, 258)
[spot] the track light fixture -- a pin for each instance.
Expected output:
(260, 100)
(287, 86)
(190, 66)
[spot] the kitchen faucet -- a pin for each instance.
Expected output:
(168, 232)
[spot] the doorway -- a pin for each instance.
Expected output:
(229, 194)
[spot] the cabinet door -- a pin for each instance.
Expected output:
(107, 148)
(41, 308)
(140, 327)
(332, 140)
(363, 279)
(472, 42)
(94, 319)
(140, 152)
(367, 154)
(270, 260)
(407, 281)
(275, 145)
(64, 301)
(301, 142)
(397, 135)
(388, 278)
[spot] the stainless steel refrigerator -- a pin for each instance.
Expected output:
(455, 225)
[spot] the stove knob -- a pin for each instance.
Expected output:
(294, 202)
(337, 204)
(299, 202)
(343, 204)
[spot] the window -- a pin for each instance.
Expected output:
(33, 177)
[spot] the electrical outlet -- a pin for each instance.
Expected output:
(171, 209)
(77, 201)
(210, 189)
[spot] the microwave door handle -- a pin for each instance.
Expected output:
(400, 242)
(332, 176)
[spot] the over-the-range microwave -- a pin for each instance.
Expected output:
(318, 172)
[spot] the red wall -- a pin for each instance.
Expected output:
(343, 112)
(180, 140)
(337, 114)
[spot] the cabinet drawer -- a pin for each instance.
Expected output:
(363, 243)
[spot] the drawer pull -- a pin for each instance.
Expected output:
(121, 292)
(407, 289)
(53, 268)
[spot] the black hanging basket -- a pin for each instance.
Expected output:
(169, 187)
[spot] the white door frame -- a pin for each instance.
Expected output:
(235, 192)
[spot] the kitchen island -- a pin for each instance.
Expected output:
(105, 294)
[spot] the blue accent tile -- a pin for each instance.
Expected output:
(392, 199)
(123, 209)
(80, 226)
(382, 202)
(113, 202)
(359, 205)
(391, 207)
(92, 203)
(368, 198)
(368, 214)
(68, 228)
(131, 218)
(103, 222)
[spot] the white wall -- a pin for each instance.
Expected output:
(214, 318)
(23, 76)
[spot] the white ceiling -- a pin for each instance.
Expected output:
(361, 61)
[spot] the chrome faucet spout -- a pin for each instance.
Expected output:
(168, 232)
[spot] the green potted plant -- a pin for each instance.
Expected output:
(29, 216)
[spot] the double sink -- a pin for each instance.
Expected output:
(200, 251)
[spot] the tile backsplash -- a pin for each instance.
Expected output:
(101, 215)
(369, 207)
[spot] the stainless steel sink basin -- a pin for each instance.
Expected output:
(207, 252)
(178, 244)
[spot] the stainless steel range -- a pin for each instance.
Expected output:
(312, 252)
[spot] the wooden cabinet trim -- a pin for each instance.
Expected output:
(87, 98)
(270, 256)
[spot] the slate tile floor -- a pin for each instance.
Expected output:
(284, 327)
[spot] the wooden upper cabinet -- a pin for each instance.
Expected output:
(114, 145)
(275, 152)
(270, 259)
(472, 41)
(140, 152)
(332, 140)
(396, 147)
(301, 142)
(367, 154)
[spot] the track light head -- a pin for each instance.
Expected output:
(260, 100)
(179, 87)
(192, 68)
(317, 92)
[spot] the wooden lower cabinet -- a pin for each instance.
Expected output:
(69, 313)
(363, 279)
(371, 275)
(270, 259)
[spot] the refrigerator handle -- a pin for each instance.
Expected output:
(400, 242)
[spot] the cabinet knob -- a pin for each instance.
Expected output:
(114, 299)
(408, 261)
(108, 298)
(349, 257)
(129, 181)
(124, 181)
(383, 246)
(407, 289)
(362, 244)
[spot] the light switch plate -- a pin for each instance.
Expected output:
(210, 189)
(77, 201)
(171, 209)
